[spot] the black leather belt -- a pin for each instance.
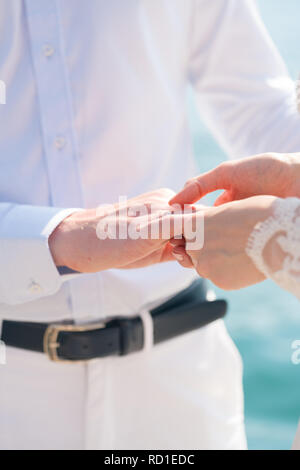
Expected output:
(62, 342)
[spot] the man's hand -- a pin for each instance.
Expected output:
(77, 244)
(270, 174)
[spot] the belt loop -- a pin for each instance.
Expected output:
(147, 321)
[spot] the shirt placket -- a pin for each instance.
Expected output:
(59, 137)
(60, 149)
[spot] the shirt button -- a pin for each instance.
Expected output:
(60, 142)
(48, 50)
(34, 287)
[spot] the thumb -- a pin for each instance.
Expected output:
(196, 188)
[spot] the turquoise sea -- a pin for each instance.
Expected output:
(264, 320)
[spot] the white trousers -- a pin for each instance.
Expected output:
(184, 394)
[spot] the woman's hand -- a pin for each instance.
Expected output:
(271, 174)
(223, 259)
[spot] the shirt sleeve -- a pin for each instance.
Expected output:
(27, 270)
(244, 92)
(278, 238)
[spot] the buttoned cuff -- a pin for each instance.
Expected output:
(27, 269)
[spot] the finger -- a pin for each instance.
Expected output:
(159, 256)
(182, 257)
(174, 242)
(167, 254)
(168, 226)
(195, 189)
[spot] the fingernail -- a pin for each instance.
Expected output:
(175, 242)
(178, 257)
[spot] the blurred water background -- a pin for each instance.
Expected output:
(264, 320)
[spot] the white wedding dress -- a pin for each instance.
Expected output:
(278, 238)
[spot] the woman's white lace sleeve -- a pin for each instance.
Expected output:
(281, 233)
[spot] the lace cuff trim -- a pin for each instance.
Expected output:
(282, 220)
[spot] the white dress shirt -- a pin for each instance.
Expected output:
(95, 109)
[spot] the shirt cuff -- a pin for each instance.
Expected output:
(27, 269)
